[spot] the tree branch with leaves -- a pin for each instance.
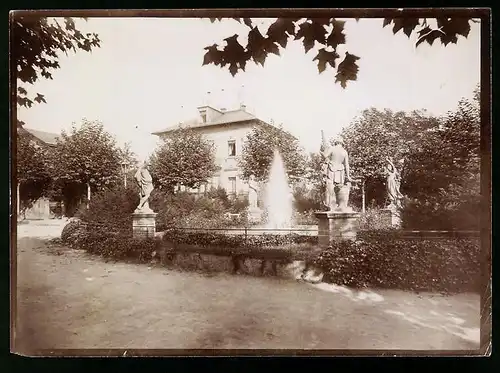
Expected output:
(327, 34)
(37, 43)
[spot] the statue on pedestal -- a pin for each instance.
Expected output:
(254, 212)
(335, 171)
(145, 182)
(393, 182)
(253, 191)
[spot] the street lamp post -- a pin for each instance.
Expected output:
(125, 165)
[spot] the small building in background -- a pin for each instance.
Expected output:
(43, 208)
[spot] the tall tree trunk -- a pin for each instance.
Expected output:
(88, 195)
(363, 197)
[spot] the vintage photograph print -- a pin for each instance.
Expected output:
(248, 182)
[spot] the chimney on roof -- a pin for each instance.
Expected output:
(208, 113)
(203, 113)
(243, 107)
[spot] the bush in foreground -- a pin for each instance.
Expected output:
(73, 232)
(118, 246)
(440, 264)
(111, 209)
(379, 259)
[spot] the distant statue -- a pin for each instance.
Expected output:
(253, 192)
(335, 171)
(145, 182)
(393, 183)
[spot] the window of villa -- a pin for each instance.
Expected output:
(232, 181)
(216, 182)
(232, 148)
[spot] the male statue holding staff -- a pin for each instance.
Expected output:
(335, 171)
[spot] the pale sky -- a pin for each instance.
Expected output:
(148, 75)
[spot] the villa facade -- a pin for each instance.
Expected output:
(227, 130)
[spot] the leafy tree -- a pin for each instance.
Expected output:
(36, 46)
(377, 134)
(258, 151)
(86, 157)
(309, 195)
(33, 170)
(448, 156)
(328, 34)
(185, 158)
(314, 165)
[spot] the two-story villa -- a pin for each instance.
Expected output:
(227, 130)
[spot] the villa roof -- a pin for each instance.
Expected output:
(46, 137)
(225, 117)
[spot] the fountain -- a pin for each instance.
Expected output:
(278, 197)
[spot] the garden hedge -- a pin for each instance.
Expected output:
(234, 241)
(377, 259)
(118, 246)
(417, 264)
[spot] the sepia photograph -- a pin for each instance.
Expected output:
(249, 182)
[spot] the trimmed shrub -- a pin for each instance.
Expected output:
(118, 246)
(111, 209)
(394, 262)
(73, 232)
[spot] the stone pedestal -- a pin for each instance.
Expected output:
(336, 226)
(254, 214)
(391, 217)
(144, 224)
